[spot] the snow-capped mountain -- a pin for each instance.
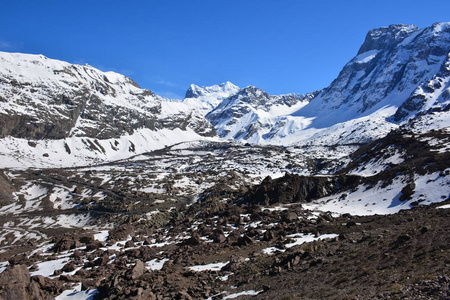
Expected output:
(251, 113)
(394, 63)
(400, 72)
(64, 113)
(57, 113)
(206, 98)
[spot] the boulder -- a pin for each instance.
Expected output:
(15, 283)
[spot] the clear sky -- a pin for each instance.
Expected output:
(281, 46)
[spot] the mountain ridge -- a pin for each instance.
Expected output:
(399, 72)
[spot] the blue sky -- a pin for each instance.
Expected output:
(280, 46)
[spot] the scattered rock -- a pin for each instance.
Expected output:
(138, 270)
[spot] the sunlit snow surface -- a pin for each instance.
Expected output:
(156, 264)
(76, 294)
(16, 153)
(444, 206)
(301, 238)
(102, 236)
(47, 268)
(209, 267)
(235, 295)
(298, 239)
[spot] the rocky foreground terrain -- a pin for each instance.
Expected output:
(155, 227)
(215, 248)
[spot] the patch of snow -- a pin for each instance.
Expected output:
(444, 206)
(60, 197)
(244, 293)
(102, 236)
(3, 266)
(76, 294)
(275, 208)
(67, 220)
(272, 250)
(301, 238)
(366, 56)
(156, 264)
(47, 268)
(209, 267)
(225, 277)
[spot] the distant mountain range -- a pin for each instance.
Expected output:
(53, 113)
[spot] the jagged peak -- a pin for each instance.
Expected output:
(251, 88)
(394, 28)
(439, 26)
(252, 91)
(380, 38)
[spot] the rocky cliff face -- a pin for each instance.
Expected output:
(297, 189)
(394, 67)
(16, 283)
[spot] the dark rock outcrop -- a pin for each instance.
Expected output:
(6, 190)
(292, 188)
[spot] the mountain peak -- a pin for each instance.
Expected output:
(384, 37)
(222, 90)
(252, 91)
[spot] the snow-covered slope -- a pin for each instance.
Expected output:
(45, 98)
(251, 113)
(63, 110)
(400, 171)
